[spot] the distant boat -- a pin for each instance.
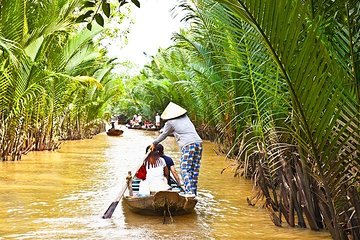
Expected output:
(141, 128)
(114, 132)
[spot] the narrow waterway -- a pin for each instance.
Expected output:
(63, 194)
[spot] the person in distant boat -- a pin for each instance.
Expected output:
(112, 124)
(135, 117)
(148, 124)
(157, 120)
(179, 124)
(156, 174)
(134, 121)
(170, 165)
(139, 120)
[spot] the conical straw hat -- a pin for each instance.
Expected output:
(172, 110)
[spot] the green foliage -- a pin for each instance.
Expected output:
(136, 2)
(55, 81)
(95, 9)
(277, 84)
(106, 8)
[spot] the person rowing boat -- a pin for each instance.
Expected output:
(190, 143)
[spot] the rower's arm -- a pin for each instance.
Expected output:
(176, 176)
(166, 131)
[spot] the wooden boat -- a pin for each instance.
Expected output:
(114, 132)
(162, 203)
(141, 128)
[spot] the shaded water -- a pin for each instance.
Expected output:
(63, 194)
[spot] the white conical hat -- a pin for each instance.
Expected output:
(172, 110)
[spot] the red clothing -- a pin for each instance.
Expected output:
(141, 172)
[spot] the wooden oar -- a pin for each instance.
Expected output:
(174, 180)
(114, 204)
(181, 187)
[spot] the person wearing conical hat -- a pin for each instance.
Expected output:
(189, 141)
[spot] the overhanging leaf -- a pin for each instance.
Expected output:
(99, 19)
(89, 26)
(89, 4)
(136, 2)
(106, 9)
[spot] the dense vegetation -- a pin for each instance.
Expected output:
(277, 84)
(55, 80)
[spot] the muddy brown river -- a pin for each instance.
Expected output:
(63, 194)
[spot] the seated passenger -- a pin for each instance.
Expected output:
(156, 175)
(170, 165)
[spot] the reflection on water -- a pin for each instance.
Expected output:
(63, 194)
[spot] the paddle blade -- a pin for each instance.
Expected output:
(109, 212)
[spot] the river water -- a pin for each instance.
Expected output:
(63, 194)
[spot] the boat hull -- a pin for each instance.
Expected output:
(142, 128)
(114, 132)
(160, 203)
